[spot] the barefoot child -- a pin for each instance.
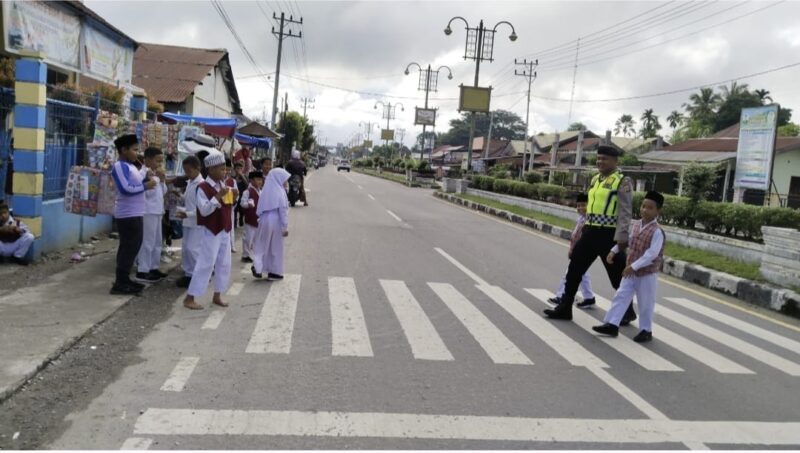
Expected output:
(248, 210)
(215, 221)
(273, 226)
(586, 281)
(189, 248)
(640, 276)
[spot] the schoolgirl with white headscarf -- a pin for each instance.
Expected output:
(273, 226)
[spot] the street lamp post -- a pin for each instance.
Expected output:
(479, 47)
(389, 113)
(368, 127)
(428, 81)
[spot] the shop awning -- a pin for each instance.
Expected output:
(255, 142)
(221, 127)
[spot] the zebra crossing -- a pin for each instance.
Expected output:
(351, 333)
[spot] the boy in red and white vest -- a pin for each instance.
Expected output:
(248, 205)
(214, 221)
(645, 253)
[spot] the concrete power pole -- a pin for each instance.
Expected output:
(529, 74)
(281, 35)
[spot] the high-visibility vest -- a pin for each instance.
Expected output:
(602, 207)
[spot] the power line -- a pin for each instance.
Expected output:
(229, 25)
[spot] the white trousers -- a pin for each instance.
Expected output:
(233, 231)
(149, 257)
(18, 248)
(214, 255)
(586, 286)
(248, 238)
(189, 249)
(645, 290)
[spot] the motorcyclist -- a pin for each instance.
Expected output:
(296, 167)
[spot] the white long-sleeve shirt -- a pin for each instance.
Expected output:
(206, 206)
(154, 198)
(651, 253)
(246, 201)
(190, 202)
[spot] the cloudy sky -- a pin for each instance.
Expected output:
(353, 54)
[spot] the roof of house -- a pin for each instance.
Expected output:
(546, 140)
(717, 148)
(728, 132)
(171, 73)
(495, 145)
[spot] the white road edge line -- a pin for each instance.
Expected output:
(188, 422)
(360, 188)
(180, 374)
(136, 443)
(394, 215)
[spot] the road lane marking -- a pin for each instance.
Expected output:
(373, 198)
(394, 215)
(136, 443)
(759, 354)
(235, 289)
(180, 374)
(764, 334)
(661, 278)
(572, 351)
(499, 348)
(425, 342)
(360, 188)
(348, 327)
(462, 268)
(694, 350)
(214, 319)
(203, 422)
(273, 331)
(636, 352)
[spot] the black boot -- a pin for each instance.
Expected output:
(561, 311)
(607, 329)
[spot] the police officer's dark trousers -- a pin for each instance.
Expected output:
(596, 242)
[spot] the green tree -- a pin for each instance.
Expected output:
(625, 124)
(505, 125)
(650, 124)
(577, 126)
(675, 119)
(702, 108)
(292, 125)
(699, 181)
(308, 138)
(763, 95)
(734, 99)
(789, 130)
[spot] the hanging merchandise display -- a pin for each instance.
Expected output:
(82, 192)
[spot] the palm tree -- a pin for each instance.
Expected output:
(763, 95)
(650, 124)
(702, 105)
(675, 119)
(734, 90)
(625, 124)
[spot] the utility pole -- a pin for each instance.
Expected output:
(428, 81)
(389, 113)
(488, 137)
(281, 36)
(307, 104)
(529, 74)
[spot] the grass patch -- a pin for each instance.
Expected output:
(389, 176)
(536, 215)
(710, 260)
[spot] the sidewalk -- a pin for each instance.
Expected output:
(39, 320)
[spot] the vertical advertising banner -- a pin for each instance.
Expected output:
(104, 58)
(756, 151)
(43, 27)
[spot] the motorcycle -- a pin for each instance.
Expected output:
(294, 189)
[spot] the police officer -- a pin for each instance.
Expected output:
(608, 219)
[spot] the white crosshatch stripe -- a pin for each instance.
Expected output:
(348, 328)
(180, 374)
(422, 336)
(636, 352)
(214, 319)
(136, 443)
(273, 331)
(695, 351)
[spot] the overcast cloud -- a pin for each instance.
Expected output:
(365, 46)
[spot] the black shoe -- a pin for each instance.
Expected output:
(132, 283)
(607, 329)
(274, 276)
(562, 311)
(586, 303)
(20, 261)
(247, 259)
(158, 273)
(147, 277)
(643, 337)
(628, 319)
(255, 274)
(125, 290)
(554, 300)
(183, 282)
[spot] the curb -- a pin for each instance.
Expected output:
(406, 183)
(776, 299)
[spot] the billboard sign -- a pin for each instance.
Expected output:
(387, 134)
(425, 117)
(43, 27)
(104, 58)
(756, 150)
(474, 99)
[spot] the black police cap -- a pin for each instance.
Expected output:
(606, 150)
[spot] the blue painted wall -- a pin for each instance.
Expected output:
(61, 230)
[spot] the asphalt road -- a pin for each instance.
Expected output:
(407, 322)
